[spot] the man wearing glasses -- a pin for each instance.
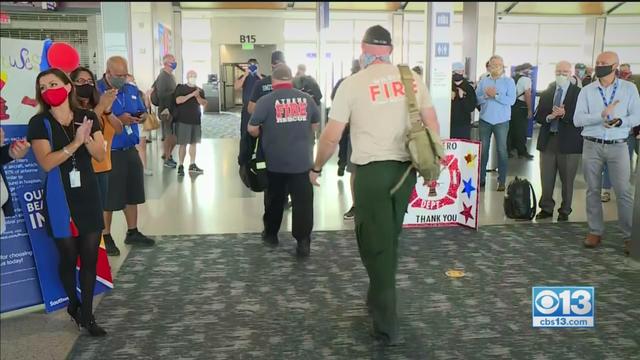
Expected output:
(126, 179)
(496, 94)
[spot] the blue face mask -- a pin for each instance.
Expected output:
(368, 59)
(173, 65)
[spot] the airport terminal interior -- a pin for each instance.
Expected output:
(212, 288)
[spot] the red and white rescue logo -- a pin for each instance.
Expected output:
(441, 193)
(291, 110)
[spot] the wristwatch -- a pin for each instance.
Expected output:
(316, 171)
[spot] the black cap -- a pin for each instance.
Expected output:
(277, 57)
(527, 66)
(377, 35)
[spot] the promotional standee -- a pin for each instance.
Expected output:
(452, 200)
(28, 256)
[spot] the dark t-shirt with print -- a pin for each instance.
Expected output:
(286, 116)
(262, 88)
(247, 88)
(189, 111)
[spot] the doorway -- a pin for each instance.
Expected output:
(233, 62)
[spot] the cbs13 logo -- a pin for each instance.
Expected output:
(563, 301)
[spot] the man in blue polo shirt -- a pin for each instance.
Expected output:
(126, 179)
(607, 110)
(496, 94)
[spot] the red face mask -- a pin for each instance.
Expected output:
(55, 97)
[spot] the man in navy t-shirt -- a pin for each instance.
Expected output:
(288, 119)
(246, 82)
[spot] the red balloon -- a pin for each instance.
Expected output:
(63, 56)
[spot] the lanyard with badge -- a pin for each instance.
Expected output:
(128, 128)
(74, 174)
(604, 99)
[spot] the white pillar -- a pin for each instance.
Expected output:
(116, 29)
(479, 28)
(439, 44)
(398, 38)
(180, 71)
(322, 20)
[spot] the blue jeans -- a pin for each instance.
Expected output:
(632, 144)
(500, 131)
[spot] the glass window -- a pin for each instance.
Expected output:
(296, 30)
(416, 32)
(196, 29)
(340, 30)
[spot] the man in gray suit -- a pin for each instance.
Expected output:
(559, 142)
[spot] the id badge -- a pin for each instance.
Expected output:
(129, 130)
(74, 178)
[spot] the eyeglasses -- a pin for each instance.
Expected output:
(81, 82)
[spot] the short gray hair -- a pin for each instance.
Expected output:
(496, 57)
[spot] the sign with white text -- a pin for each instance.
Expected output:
(452, 200)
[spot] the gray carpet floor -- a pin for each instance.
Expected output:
(221, 125)
(230, 297)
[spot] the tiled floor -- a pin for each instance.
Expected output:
(217, 202)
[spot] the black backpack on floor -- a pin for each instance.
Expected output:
(517, 201)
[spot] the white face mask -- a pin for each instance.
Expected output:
(191, 80)
(562, 80)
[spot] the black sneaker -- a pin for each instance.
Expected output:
(138, 238)
(349, 215)
(194, 169)
(180, 170)
(112, 249)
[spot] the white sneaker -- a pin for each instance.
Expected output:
(148, 172)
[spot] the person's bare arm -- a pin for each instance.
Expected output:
(253, 130)
(96, 146)
(430, 119)
(251, 107)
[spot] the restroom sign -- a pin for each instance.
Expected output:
(443, 19)
(442, 49)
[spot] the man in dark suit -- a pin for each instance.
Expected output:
(559, 142)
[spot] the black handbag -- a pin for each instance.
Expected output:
(254, 173)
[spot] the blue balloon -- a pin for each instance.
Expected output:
(44, 63)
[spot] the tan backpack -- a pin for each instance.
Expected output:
(423, 144)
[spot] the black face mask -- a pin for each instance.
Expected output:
(458, 77)
(604, 70)
(85, 91)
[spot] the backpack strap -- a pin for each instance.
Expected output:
(414, 114)
(535, 202)
(412, 104)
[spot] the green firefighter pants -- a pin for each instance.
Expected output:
(378, 219)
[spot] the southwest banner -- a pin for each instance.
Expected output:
(28, 256)
(19, 66)
(452, 200)
(46, 254)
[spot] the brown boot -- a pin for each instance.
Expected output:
(592, 241)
